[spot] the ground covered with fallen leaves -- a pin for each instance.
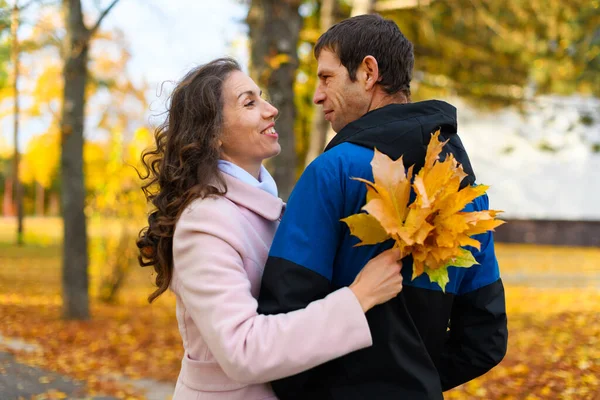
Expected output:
(553, 301)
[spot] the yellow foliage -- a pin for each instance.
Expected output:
(111, 175)
(5, 149)
(40, 161)
(48, 90)
(94, 158)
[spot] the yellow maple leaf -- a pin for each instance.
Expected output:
(367, 227)
(433, 228)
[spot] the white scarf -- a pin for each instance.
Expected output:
(265, 180)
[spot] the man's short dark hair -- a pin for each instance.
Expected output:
(371, 35)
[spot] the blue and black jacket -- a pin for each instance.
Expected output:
(424, 341)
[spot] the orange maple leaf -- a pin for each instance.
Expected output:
(433, 228)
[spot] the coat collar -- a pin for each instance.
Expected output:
(257, 200)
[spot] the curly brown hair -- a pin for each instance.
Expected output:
(183, 165)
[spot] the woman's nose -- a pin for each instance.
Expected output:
(270, 111)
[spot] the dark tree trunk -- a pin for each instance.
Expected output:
(274, 31)
(75, 251)
(75, 73)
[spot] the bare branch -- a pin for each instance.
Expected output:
(101, 17)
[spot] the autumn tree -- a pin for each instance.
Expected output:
(6, 184)
(274, 32)
(120, 105)
(114, 193)
(502, 53)
(115, 197)
(490, 54)
(40, 166)
(14, 49)
(42, 155)
(15, 59)
(75, 252)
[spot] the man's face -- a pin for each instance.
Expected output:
(343, 101)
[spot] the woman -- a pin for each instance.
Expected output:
(216, 214)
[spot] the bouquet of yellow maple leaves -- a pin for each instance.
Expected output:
(433, 228)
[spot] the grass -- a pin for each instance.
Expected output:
(553, 302)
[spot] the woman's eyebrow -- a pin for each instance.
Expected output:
(250, 93)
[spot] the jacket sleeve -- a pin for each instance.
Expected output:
(300, 264)
(210, 278)
(478, 334)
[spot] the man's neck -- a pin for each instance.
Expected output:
(382, 99)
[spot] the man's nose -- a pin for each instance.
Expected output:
(319, 96)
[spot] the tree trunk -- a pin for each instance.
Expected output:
(18, 191)
(274, 31)
(319, 125)
(7, 203)
(75, 73)
(75, 251)
(361, 7)
(53, 205)
(39, 199)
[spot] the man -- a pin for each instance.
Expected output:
(424, 341)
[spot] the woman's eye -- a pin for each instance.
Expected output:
(249, 104)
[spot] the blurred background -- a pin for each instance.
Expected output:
(81, 96)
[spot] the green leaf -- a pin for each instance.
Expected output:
(439, 276)
(464, 260)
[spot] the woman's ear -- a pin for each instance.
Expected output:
(371, 70)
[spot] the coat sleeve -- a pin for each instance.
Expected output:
(216, 291)
(478, 334)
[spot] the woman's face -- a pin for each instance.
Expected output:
(249, 135)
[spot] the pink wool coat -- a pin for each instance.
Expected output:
(219, 251)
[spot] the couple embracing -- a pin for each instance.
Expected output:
(273, 300)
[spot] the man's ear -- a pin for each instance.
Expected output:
(371, 70)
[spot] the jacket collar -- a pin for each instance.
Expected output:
(428, 115)
(405, 130)
(253, 198)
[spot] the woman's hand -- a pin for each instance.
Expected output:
(379, 281)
